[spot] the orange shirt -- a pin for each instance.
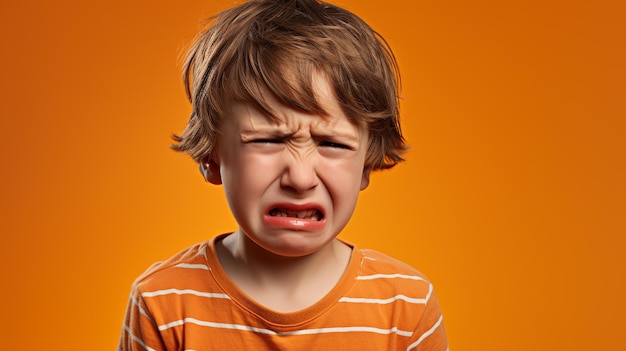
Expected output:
(189, 303)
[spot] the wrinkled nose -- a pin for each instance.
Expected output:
(299, 175)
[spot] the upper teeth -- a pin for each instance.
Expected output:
(304, 214)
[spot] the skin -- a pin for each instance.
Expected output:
(292, 185)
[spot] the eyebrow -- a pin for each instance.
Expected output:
(344, 137)
(248, 134)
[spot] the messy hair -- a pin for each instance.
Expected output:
(277, 46)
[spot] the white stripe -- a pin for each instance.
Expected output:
(350, 330)
(215, 325)
(137, 340)
(184, 292)
(141, 310)
(389, 276)
(426, 334)
(201, 251)
(383, 301)
(430, 292)
(193, 266)
(297, 332)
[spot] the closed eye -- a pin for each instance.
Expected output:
(267, 141)
(334, 145)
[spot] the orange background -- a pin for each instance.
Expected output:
(512, 199)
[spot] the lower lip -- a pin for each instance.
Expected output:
(291, 223)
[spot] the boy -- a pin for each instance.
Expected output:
(294, 104)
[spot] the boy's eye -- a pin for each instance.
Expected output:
(267, 141)
(334, 145)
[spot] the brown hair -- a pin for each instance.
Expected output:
(276, 46)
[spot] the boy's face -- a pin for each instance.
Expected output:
(291, 183)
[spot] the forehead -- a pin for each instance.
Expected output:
(285, 119)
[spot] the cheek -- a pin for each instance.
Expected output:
(249, 173)
(343, 178)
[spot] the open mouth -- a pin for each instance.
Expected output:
(312, 214)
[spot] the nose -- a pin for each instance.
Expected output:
(299, 174)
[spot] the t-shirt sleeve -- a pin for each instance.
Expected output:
(430, 334)
(139, 331)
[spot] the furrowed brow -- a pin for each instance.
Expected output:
(335, 135)
(249, 134)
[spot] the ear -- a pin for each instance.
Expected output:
(365, 178)
(210, 171)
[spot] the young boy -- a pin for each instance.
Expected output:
(294, 104)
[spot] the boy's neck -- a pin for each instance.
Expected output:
(285, 284)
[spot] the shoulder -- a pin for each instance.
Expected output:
(375, 262)
(387, 286)
(384, 277)
(413, 296)
(182, 266)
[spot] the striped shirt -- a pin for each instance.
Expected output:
(188, 303)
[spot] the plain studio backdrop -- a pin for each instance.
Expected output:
(512, 199)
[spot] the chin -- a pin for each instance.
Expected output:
(295, 245)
